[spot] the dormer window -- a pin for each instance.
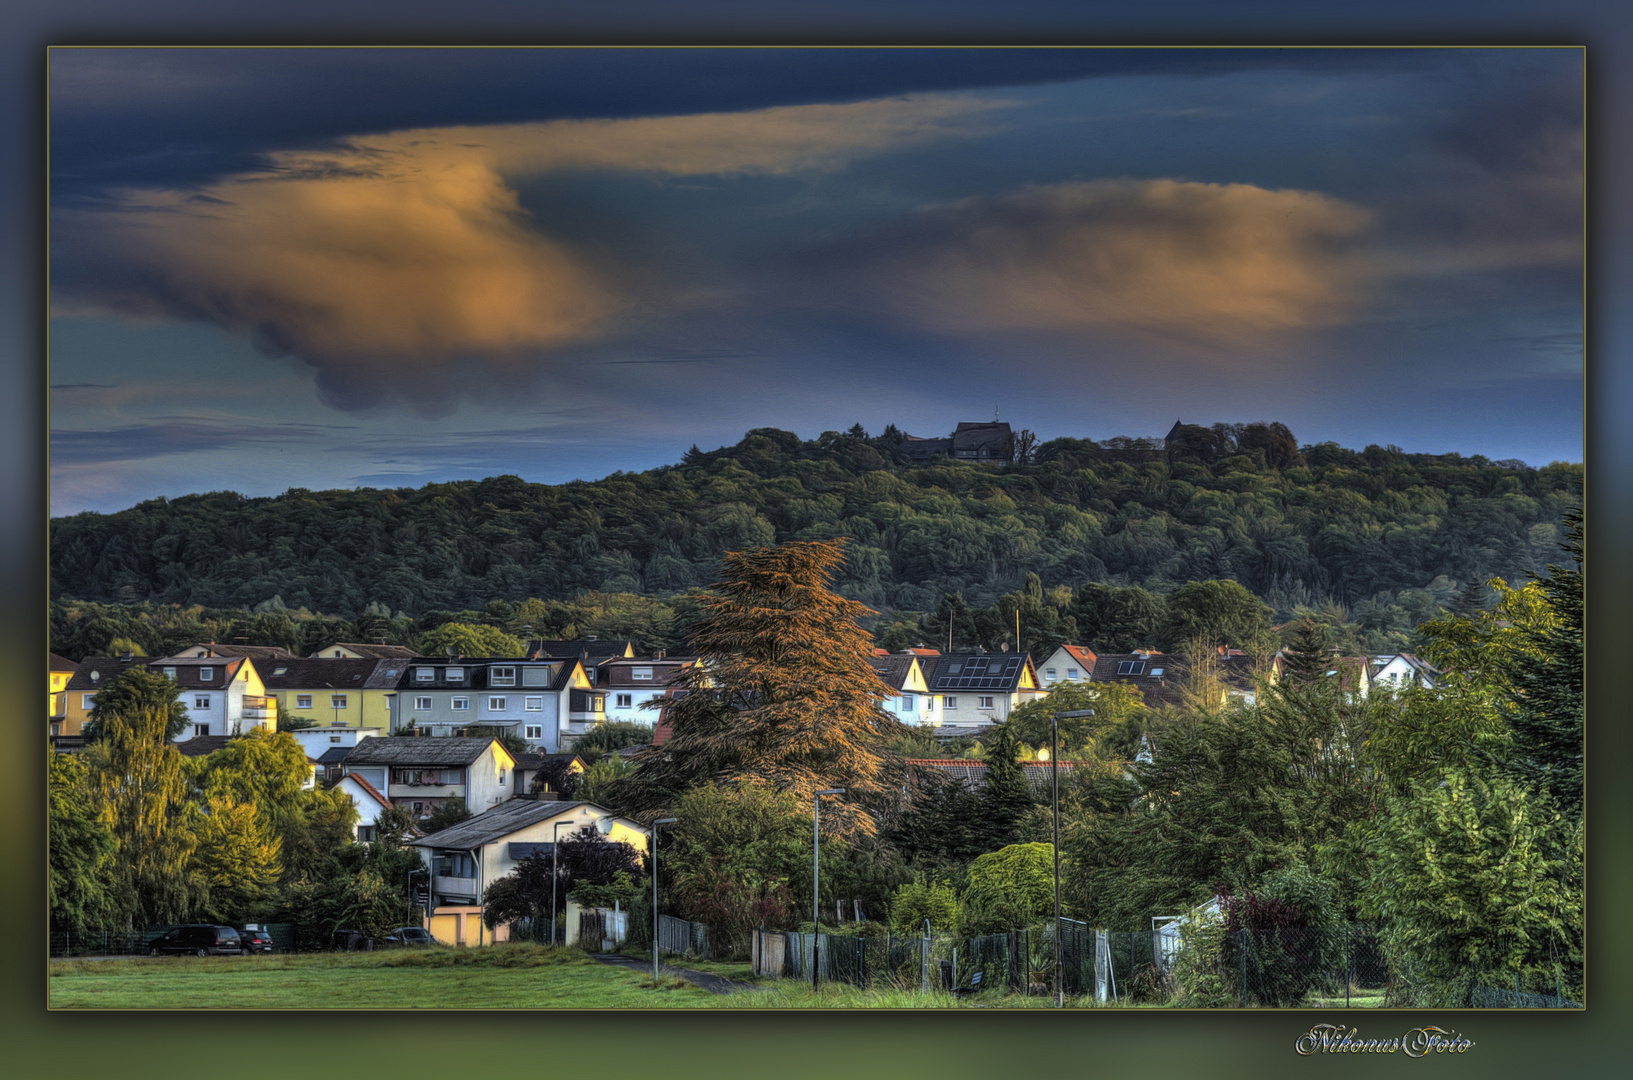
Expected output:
(643, 674)
(206, 674)
(1130, 667)
(170, 673)
(502, 676)
(425, 674)
(454, 674)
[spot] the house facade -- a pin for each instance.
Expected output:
(424, 773)
(910, 701)
(221, 695)
(1067, 664)
(979, 689)
(629, 683)
(464, 860)
(1403, 670)
(336, 692)
(370, 803)
(61, 671)
(535, 699)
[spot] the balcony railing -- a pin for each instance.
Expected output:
(260, 708)
(464, 887)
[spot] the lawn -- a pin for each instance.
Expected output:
(504, 976)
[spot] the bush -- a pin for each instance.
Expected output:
(921, 900)
(1199, 975)
(1009, 889)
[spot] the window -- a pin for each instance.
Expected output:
(339, 654)
(501, 777)
(952, 703)
(334, 738)
(932, 703)
(641, 674)
(496, 704)
(206, 674)
(425, 674)
(1071, 673)
(170, 673)
(337, 701)
(422, 703)
(200, 730)
(502, 676)
(275, 671)
(1130, 667)
(365, 834)
(908, 703)
(201, 701)
(598, 703)
(461, 703)
(1049, 672)
(535, 731)
(626, 701)
(303, 701)
(534, 704)
(455, 674)
(983, 703)
(86, 700)
(1156, 673)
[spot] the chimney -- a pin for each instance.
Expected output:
(661, 654)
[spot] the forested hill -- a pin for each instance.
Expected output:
(1295, 527)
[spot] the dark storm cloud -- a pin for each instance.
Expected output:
(164, 117)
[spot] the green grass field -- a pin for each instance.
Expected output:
(501, 977)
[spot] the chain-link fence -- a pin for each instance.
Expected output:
(1302, 967)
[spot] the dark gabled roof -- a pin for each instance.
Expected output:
(618, 671)
(62, 663)
(317, 673)
(423, 750)
(593, 649)
(994, 437)
(476, 674)
(334, 755)
(893, 669)
(199, 745)
(498, 823)
(104, 668)
(223, 671)
(254, 652)
(999, 672)
(536, 761)
(373, 652)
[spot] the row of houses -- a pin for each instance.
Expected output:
(548, 698)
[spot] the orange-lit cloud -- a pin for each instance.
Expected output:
(1196, 261)
(382, 259)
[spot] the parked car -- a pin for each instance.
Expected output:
(199, 941)
(410, 935)
(255, 941)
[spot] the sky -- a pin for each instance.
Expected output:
(320, 268)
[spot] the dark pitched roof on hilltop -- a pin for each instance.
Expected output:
(254, 652)
(62, 663)
(373, 652)
(404, 750)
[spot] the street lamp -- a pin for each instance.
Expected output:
(816, 869)
(655, 824)
(1054, 777)
(555, 854)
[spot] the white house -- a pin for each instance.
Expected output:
(1402, 670)
(423, 773)
(629, 683)
(370, 802)
(318, 740)
(467, 858)
(533, 698)
(222, 695)
(1068, 663)
(980, 689)
(912, 702)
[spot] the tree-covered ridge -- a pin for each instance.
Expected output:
(1327, 524)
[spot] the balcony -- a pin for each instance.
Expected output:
(455, 888)
(260, 708)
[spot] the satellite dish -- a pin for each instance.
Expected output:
(604, 826)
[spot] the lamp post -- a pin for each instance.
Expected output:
(1054, 778)
(816, 869)
(555, 855)
(655, 824)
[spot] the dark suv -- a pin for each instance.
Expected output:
(255, 941)
(199, 941)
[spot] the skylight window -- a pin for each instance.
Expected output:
(1130, 667)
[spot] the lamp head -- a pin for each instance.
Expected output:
(831, 791)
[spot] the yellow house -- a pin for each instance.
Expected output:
(336, 691)
(463, 861)
(62, 670)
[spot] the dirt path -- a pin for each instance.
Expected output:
(714, 984)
